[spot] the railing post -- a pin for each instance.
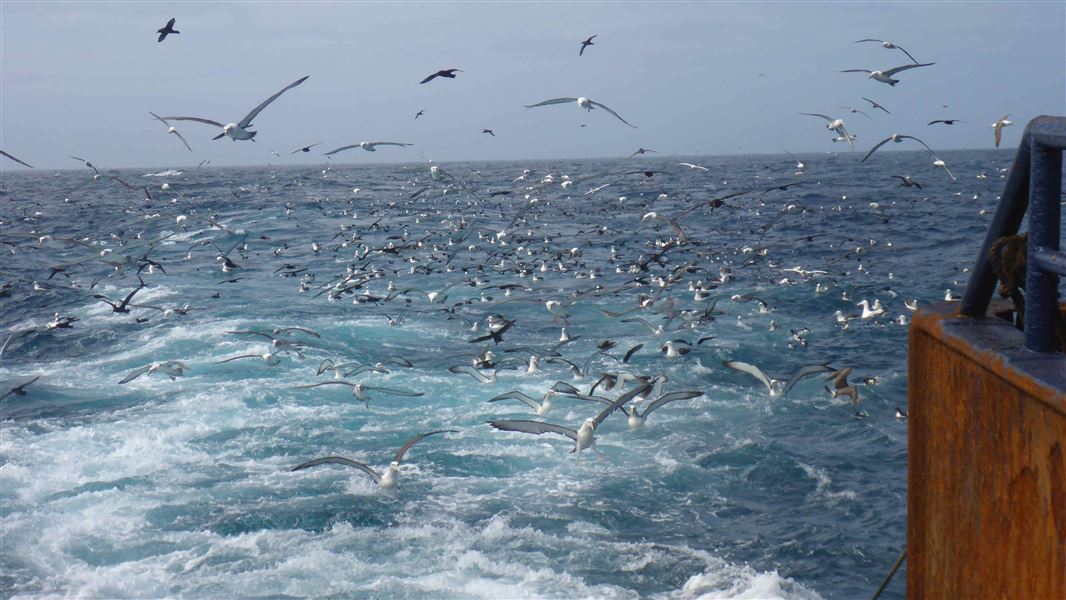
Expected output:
(1041, 286)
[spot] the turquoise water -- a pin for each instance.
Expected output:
(162, 487)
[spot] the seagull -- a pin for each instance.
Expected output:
(584, 103)
(239, 131)
(172, 368)
(641, 151)
(541, 408)
(15, 159)
(886, 75)
(171, 129)
(488, 131)
(305, 148)
(583, 437)
(775, 385)
(368, 146)
(999, 125)
(875, 105)
(637, 418)
(906, 181)
(449, 73)
(361, 391)
(834, 124)
(586, 44)
(388, 480)
(945, 121)
(890, 46)
(166, 30)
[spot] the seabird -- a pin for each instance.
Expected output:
(999, 125)
(897, 138)
(172, 368)
(20, 389)
(945, 121)
(584, 103)
(388, 480)
(637, 418)
(449, 73)
(541, 408)
(641, 151)
(166, 30)
(585, 44)
(488, 131)
(305, 148)
(362, 391)
(841, 387)
(869, 312)
(420, 113)
(775, 386)
(875, 105)
(888, 45)
(239, 131)
(906, 181)
(368, 146)
(584, 436)
(886, 75)
(171, 129)
(835, 124)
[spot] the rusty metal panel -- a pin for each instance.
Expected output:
(987, 462)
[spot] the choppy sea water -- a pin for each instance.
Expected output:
(161, 487)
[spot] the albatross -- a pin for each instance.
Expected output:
(584, 103)
(886, 75)
(835, 124)
(239, 131)
(777, 387)
(368, 146)
(170, 129)
(388, 480)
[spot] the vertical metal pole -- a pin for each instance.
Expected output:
(1041, 287)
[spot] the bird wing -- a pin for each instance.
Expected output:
(848, 137)
(311, 385)
(900, 48)
(247, 120)
(892, 72)
(339, 460)
(135, 374)
(672, 396)
(999, 129)
(856, 71)
(911, 137)
(15, 159)
(534, 427)
(803, 373)
(197, 119)
(631, 352)
(840, 378)
(565, 388)
(389, 144)
(618, 116)
(874, 149)
(875, 105)
(183, 140)
(523, 398)
(827, 118)
(411, 442)
(869, 40)
(552, 101)
(395, 392)
(750, 369)
(158, 118)
(471, 371)
(342, 148)
(620, 401)
(430, 78)
(226, 360)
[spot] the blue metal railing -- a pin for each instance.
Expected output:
(1034, 183)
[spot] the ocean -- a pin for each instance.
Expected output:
(182, 487)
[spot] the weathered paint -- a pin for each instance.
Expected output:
(987, 453)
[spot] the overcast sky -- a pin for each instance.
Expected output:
(696, 78)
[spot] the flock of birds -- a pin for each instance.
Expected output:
(504, 236)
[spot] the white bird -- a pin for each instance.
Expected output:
(541, 408)
(889, 46)
(637, 418)
(368, 146)
(557, 311)
(269, 358)
(171, 129)
(692, 166)
(999, 125)
(897, 138)
(837, 125)
(239, 131)
(886, 75)
(584, 436)
(362, 391)
(172, 368)
(389, 479)
(584, 103)
(869, 312)
(775, 386)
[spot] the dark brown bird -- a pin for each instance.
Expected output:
(449, 73)
(167, 30)
(586, 44)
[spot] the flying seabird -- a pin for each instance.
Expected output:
(834, 124)
(305, 148)
(841, 387)
(420, 113)
(449, 73)
(637, 418)
(584, 103)
(906, 181)
(167, 30)
(888, 45)
(489, 131)
(999, 125)
(20, 389)
(368, 146)
(641, 151)
(170, 129)
(541, 408)
(172, 368)
(15, 159)
(388, 480)
(239, 131)
(583, 437)
(775, 386)
(875, 105)
(586, 44)
(945, 121)
(897, 138)
(362, 391)
(886, 75)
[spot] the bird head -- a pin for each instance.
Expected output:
(584, 103)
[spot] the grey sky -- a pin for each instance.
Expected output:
(80, 78)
